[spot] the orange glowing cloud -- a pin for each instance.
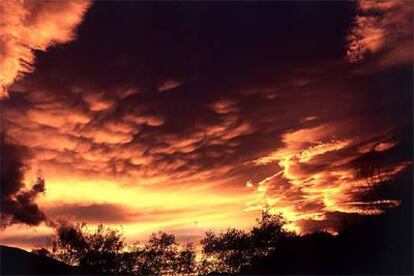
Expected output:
(382, 27)
(30, 25)
(316, 177)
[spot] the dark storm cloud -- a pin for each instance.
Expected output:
(109, 213)
(17, 202)
(102, 213)
(110, 96)
(156, 42)
(334, 222)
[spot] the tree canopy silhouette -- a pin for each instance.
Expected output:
(234, 249)
(104, 251)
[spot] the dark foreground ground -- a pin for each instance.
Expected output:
(15, 261)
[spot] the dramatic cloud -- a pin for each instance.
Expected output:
(17, 201)
(165, 119)
(382, 28)
(27, 26)
(318, 177)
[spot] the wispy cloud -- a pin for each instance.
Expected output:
(382, 30)
(315, 176)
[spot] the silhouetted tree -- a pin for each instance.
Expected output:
(103, 251)
(99, 250)
(267, 234)
(163, 255)
(234, 249)
(225, 252)
(186, 260)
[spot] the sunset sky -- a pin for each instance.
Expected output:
(188, 116)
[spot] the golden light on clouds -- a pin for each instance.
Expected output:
(313, 177)
(29, 25)
(382, 27)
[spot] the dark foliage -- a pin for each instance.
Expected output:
(98, 251)
(230, 251)
(103, 251)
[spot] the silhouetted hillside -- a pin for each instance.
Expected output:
(15, 261)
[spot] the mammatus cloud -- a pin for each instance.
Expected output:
(17, 201)
(27, 26)
(382, 28)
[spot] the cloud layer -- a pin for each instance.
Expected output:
(180, 122)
